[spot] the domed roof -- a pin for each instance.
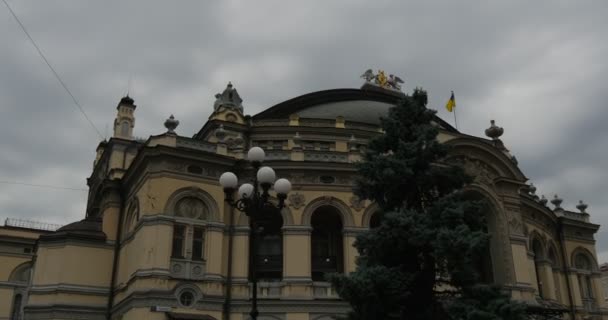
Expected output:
(126, 101)
(356, 110)
(356, 105)
(88, 228)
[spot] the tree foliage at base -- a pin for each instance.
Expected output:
(422, 262)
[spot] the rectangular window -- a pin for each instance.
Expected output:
(309, 145)
(197, 244)
(277, 145)
(179, 233)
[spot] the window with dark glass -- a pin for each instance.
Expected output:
(374, 221)
(179, 232)
(186, 298)
(16, 314)
(538, 256)
(583, 264)
(269, 257)
(326, 242)
(197, 244)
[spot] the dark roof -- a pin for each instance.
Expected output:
(87, 229)
(126, 100)
(179, 315)
(357, 105)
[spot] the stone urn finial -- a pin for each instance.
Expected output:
(543, 200)
(171, 124)
(557, 201)
(532, 189)
(581, 206)
(220, 133)
(494, 131)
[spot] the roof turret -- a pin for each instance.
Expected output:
(229, 99)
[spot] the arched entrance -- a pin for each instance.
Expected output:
(269, 258)
(326, 242)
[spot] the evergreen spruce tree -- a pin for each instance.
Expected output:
(422, 261)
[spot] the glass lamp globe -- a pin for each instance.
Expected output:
(256, 154)
(266, 175)
(228, 180)
(245, 191)
(282, 186)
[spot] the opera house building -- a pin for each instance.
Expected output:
(159, 241)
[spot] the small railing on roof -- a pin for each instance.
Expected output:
(196, 144)
(29, 224)
(576, 215)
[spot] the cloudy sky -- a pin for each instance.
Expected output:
(537, 69)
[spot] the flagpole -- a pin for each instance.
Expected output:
(455, 121)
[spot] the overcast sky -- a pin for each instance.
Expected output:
(538, 69)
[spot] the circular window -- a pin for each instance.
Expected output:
(186, 298)
(327, 179)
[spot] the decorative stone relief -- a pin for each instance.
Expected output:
(356, 203)
(514, 219)
(297, 200)
(197, 270)
(186, 269)
(191, 207)
(481, 172)
(176, 268)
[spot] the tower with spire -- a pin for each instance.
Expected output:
(125, 118)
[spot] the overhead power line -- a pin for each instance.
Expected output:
(53, 70)
(40, 185)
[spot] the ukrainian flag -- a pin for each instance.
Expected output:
(451, 103)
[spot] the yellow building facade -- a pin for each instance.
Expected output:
(158, 240)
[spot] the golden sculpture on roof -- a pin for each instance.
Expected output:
(381, 80)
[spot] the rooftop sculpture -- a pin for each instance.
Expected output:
(381, 80)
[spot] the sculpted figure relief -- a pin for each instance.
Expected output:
(381, 80)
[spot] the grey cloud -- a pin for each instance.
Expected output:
(537, 69)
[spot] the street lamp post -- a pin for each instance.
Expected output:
(253, 200)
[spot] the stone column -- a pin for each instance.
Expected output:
(546, 276)
(575, 287)
(523, 264)
(214, 240)
(350, 252)
(109, 211)
(296, 261)
(240, 263)
(598, 294)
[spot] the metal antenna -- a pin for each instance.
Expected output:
(129, 85)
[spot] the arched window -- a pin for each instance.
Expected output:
(374, 221)
(188, 232)
(485, 268)
(552, 256)
(17, 302)
(537, 249)
(584, 266)
(124, 129)
(269, 256)
(22, 273)
(326, 242)
(192, 208)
